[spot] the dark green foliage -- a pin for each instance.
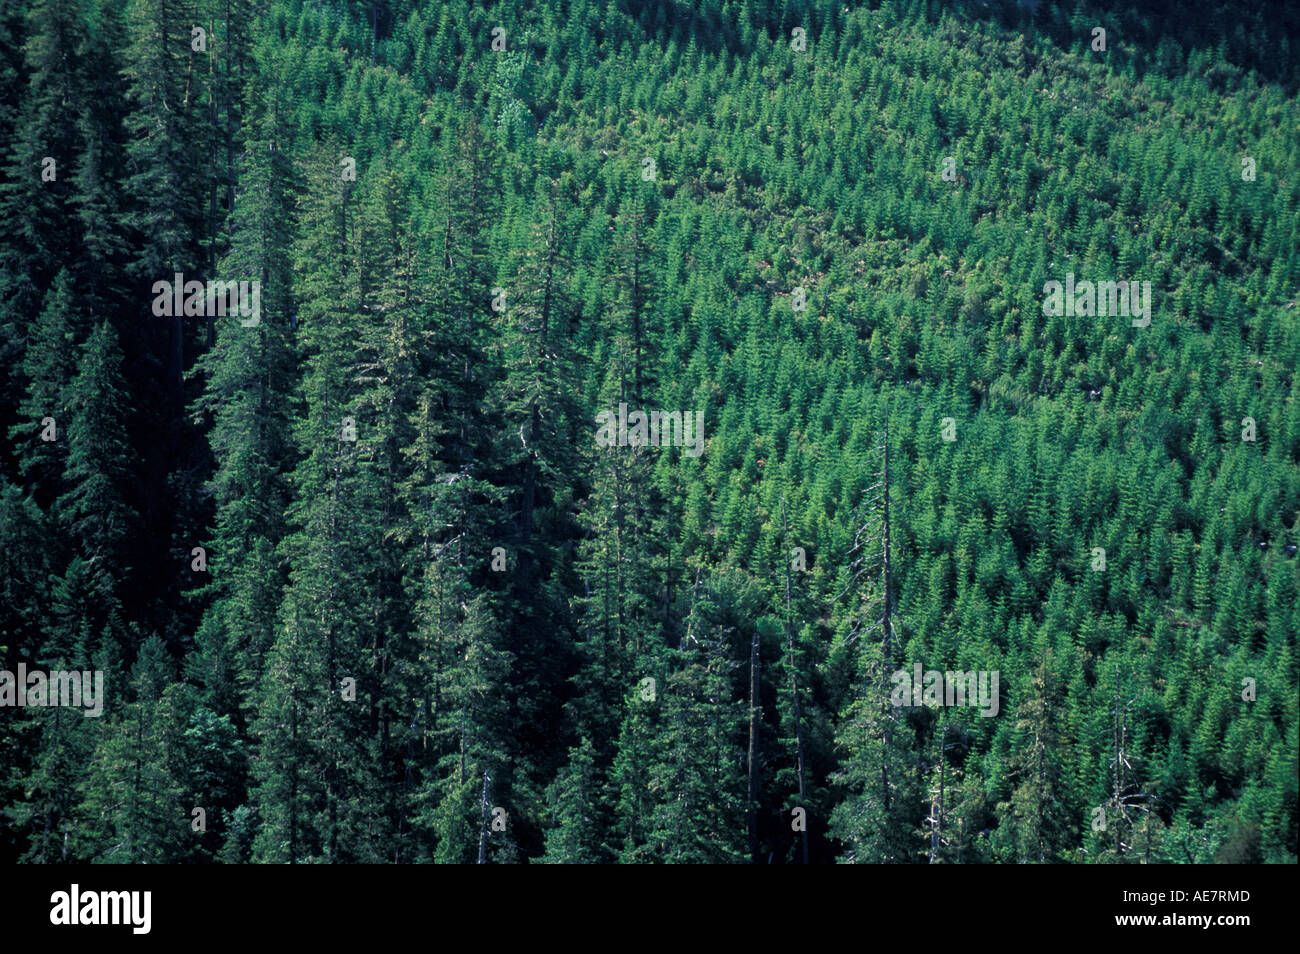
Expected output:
(434, 619)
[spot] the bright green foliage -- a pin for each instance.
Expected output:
(436, 620)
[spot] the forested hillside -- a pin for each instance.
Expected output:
(385, 565)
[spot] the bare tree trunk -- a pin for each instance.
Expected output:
(483, 825)
(936, 807)
(942, 795)
(293, 783)
(1114, 736)
(889, 593)
(794, 686)
(754, 664)
(887, 625)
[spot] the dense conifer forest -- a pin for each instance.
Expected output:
(696, 431)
